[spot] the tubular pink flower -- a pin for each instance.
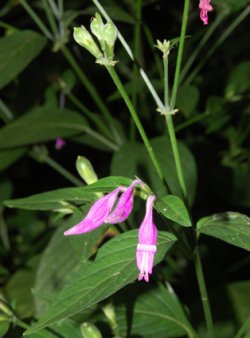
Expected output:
(147, 240)
(97, 214)
(60, 143)
(124, 205)
(205, 7)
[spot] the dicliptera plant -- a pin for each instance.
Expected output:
(113, 264)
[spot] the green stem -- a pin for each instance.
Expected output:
(151, 44)
(136, 119)
(61, 170)
(204, 295)
(51, 18)
(7, 115)
(137, 53)
(92, 91)
(25, 326)
(88, 113)
(38, 156)
(169, 120)
(36, 19)
(4, 233)
(180, 54)
(101, 138)
(166, 82)
(217, 43)
(137, 40)
(130, 53)
(212, 28)
(191, 121)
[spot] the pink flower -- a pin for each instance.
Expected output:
(60, 143)
(147, 239)
(124, 205)
(205, 7)
(101, 210)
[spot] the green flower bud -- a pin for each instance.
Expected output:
(164, 47)
(96, 26)
(86, 170)
(110, 34)
(89, 330)
(106, 35)
(84, 39)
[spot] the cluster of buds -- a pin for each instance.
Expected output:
(106, 35)
(114, 208)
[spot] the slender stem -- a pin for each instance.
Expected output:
(25, 326)
(244, 329)
(51, 18)
(101, 138)
(137, 53)
(180, 54)
(61, 170)
(36, 154)
(88, 113)
(166, 82)
(92, 91)
(136, 119)
(204, 295)
(137, 42)
(191, 58)
(7, 115)
(4, 233)
(191, 121)
(218, 42)
(60, 6)
(169, 119)
(130, 53)
(151, 44)
(36, 19)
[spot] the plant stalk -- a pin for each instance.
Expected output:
(204, 295)
(92, 91)
(136, 119)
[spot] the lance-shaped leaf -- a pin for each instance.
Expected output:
(231, 227)
(66, 197)
(114, 267)
(172, 207)
(154, 311)
(16, 52)
(41, 125)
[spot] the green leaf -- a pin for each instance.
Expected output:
(113, 268)
(155, 312)
(187, 99)
(4, 327)
(231, 227)
(41, 125)
(63, 329)
(8, 157)
(132, 159)
(172, 207)
(16, 52)
(61, 259)
(18, 291)
(5, 191)
(238, 81)
(53, 200)
(61, 198)
(237, 292)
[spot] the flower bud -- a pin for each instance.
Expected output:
(89, 330)
(84, 39)
(85, 170)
